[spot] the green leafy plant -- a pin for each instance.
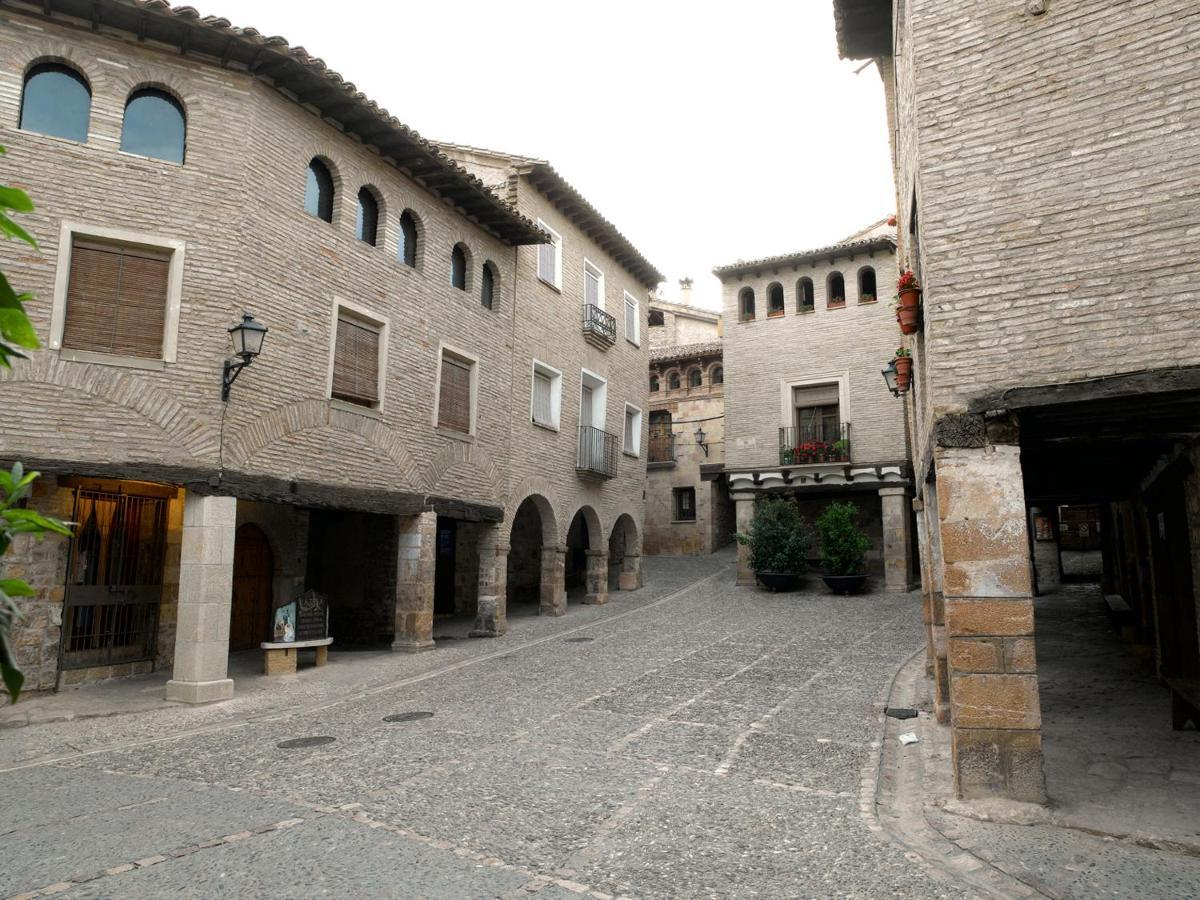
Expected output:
(902, 351)
(15, 486)
(843, 544)
(16, 331)
(779, 538)
(15, 328)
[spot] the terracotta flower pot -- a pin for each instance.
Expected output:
(909, 318)
(903, 366)
(910, 298)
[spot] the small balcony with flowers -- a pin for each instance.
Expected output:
(814, 444)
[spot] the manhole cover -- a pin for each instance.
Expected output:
(579, 640)
(296, 743)
(408, 716)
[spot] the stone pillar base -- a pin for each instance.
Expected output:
(597, 578)
(411, 645)
(744, 506)
(553, 598)
(200, 691)
(489, 623)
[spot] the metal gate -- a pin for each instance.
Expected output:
(114, 579)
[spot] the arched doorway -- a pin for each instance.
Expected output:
(585, 540)
(253, 574)
(624, 555)
(535, 561)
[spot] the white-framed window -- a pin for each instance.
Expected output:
(633, 320)
(545, 401)
(117, 295)
(593, 285)
(456, 394)
(357, 357)
(549, 261)
(632, 435)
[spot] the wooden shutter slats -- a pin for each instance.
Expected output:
(116, 300)
(543, 412)
(454, 398)
(356, 362)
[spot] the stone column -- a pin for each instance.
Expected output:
(630, 576)
(491, 611)
(918, 505)
(897, 548)
(937, 608)
(415, 567)
(1045, 553)
(745, 515)
(597, 578)
(201, 669)
(994, 706)
(553, 601)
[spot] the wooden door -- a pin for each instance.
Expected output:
(253, 572)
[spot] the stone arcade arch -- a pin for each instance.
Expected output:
(586, 572)
(625, 555)
(535, 563)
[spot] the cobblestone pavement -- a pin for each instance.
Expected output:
(693, 739)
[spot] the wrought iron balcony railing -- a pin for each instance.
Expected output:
(662, 448)
(814, 444)
(599, 328)
(597, 453)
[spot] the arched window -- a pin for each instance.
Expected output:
(804, 295)
(154, 126)
(673, 381)
(654, 384)
(366, 224)
(318, 191)
(487, 286)
(56, 100)
(866, 285)
(746, 304)
(718, 375)
(656, 318)
(695, 378)
(458, 267)
(407, 253)
(774, 299)
(835, 291)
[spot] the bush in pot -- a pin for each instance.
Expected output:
(779, 540)
(844, 548)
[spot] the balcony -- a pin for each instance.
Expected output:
(814, 445)
(599, 328)
(597, 453)
(662, 450)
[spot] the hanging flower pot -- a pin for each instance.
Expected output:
(909, 318)
(908, 290)
(903, 364)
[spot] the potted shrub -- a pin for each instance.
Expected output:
(908, 305)
(841, 450)
(779, 540)
(903, 364)
(843, 549)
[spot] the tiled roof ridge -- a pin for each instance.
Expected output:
(841, 249)
(518, 229)
(678, 351)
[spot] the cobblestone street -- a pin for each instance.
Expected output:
(691, 739)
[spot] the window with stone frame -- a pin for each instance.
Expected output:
(546, 399)
(454, 394)
(817, 417)
(116, 300)
(685, 504)
(549, 259)
(356, 361)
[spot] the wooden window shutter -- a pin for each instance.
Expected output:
(818, 395)
(547, 259)
(356, 362)
(543, 392)
(454, 399)
(116, 300)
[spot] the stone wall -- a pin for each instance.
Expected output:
(852, 343)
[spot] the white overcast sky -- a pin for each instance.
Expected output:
(706, 131)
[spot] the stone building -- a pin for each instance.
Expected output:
(688, 510)
(1057, 362)
(382, 446)
(807, 413)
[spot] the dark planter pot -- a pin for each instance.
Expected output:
(845, 584)
(780, 582)
(910, 299)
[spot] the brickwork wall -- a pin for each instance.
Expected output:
(856, 340)
(1057, 196)
(237, 201)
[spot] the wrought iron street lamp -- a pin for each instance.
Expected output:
(889, 377)
(247, 339)
(700, 439)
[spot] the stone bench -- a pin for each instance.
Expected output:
(280, 658)
(1185, 702)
